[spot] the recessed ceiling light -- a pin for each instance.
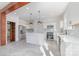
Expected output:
(27, 8)
(14, 13)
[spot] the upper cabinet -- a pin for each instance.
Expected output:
(71, 15)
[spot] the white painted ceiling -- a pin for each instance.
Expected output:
(3, 4)
(48, 10)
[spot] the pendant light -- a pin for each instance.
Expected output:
(39, 22)
(31, 22)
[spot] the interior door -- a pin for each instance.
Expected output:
(12, 31)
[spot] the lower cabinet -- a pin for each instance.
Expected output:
(69, 48)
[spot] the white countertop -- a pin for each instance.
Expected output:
(68, 38)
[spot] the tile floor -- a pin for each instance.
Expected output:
(20, 48)
(53, 47)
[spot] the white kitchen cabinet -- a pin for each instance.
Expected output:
(69, 46)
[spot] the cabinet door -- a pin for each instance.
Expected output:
(12, 31)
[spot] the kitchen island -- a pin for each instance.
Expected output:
(69, 45)
(35, 38)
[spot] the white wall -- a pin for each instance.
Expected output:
(72, 14)
(14, 18)
(22, 22)
(56, 22)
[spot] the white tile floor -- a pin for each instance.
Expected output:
(53, 47)
(21, 48)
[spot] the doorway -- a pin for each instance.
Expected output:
(22, 32)
(50, 32)
(10, 32)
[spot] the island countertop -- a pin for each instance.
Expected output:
(69, 38)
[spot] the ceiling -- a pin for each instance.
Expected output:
(3, 4)
(48, 10)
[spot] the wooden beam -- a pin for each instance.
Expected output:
(9, 8)
(13, 6)
(0, 25)
(3, 28)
